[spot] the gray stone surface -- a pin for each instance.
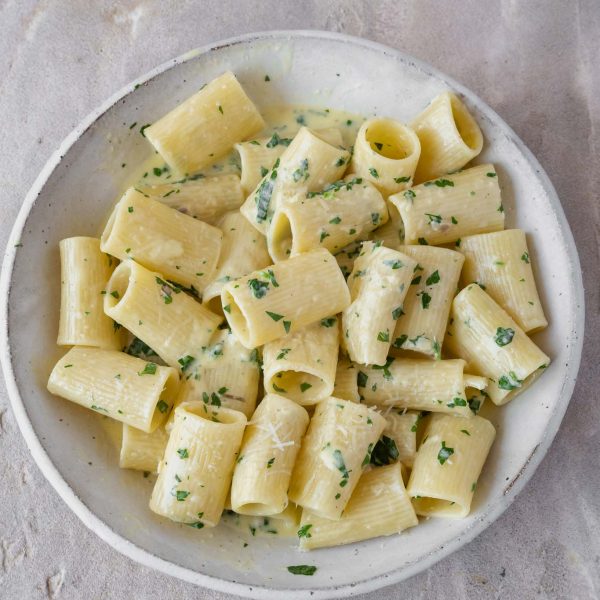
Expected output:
(535, 62)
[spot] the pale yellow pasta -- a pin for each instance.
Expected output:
(140, 450)
(345, 258)
(386, 153)
(344, 211)
(307, 165)
(379, 506)
(422, 324)
(301, 365)
(195, 473)
(162, 239)
(501, 263)
(346, 386)
(449, 135)
(223, 373)
(258, 156)
(243, 250)
(116, 385)
(266, 305)
(84, 271)
(446, 209)
(269, 449)
(334, 452)
(206, 125)
(417, 384)
(174, 325)
(391, 235)
(448, 464)
(402, 428)
(493, 345)
(204, 198)
(378, 284)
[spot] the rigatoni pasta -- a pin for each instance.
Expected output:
(449, 136)
(116, 385)
(336, 449)
(451, 207)
(206, 125)
(161, 239)
(263, 469)
(266, 305)
(224, 373)
(243, 250)
(84, 271)
(344, 211)
(195, 474)
(500, 263)
(307, 165)
(386, 154)
(448, 464)
(172, 323)
(378, 284)
(302, 365)
(494, 346)
(379, 506)
(204, 198)
(422, 325)
(140, 450)
(416, 384)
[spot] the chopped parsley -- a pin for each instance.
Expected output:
(301, 173)
(440, 183)
(162, 406)
(402, 180)
(362, 379)
(383, 336)
(183, 453)
(185, 361)
(302, 569)
(525, 257)
(509, 382)
(283, 353)
(374, 173)
(425, 300)
(504, 336)
(393, 263)
(328, 322)
(278, 141)
(305, 386)
(304, 531)
(385, 452)
(433, 218)
(445, 453)
(335, 221)
(433, 278)
(340, 465)
(149, 369)
(410, 195)
(423, 242)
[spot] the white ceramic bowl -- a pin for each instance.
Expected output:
(72, 196)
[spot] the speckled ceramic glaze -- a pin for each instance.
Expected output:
(72, 196)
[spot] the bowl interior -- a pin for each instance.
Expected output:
(359, 77)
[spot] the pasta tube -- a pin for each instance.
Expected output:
(174, 325)
(346, 386)
(266, 305)
(402, 428)
(140, 450)
(161, 239)
(422, 325)
(378, 284)
(500, 262)
(386, 153)
(243, 250)
(204, 198)
(338, 445)
(223, 374)
(448, 464)
(116, 385)
(416, 384)
(449, 208)
(307, 165)
(206, 125)
(449, 136)
(258, 156)
(84, 272)
(301, 366)
(195, 473)
(344, 211)
(379, 506)
(271, 443)
(486, 337)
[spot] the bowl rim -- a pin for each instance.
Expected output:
(146, 558)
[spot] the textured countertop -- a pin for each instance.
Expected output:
(535, 62)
